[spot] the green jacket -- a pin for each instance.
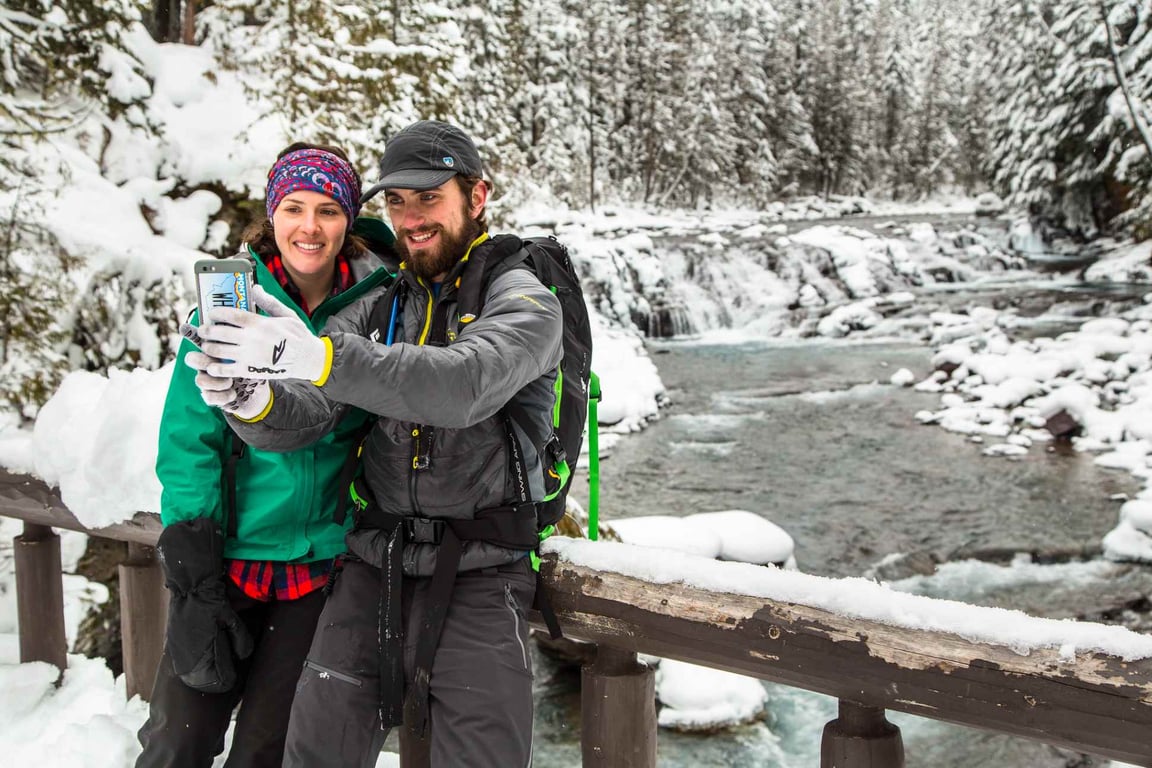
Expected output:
(285, 501)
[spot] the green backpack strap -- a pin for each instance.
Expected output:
(348, 472)
(593, 458)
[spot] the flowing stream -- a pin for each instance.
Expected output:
(811, 435)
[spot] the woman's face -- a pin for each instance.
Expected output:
(309, 229)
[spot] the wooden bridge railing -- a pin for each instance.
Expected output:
(1096, 703)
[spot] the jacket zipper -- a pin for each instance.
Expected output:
(326, 673)
(420, 458)
(419, 462)
(511, 602)
(427, 312)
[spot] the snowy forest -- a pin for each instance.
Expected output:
(667, 104)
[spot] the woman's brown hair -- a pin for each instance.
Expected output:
(262, 237)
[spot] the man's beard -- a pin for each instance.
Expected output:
(429, 264)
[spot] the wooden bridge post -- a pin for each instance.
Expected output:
(40, 596)
(861, 737)
(143, 617)
(618, 709)
(414, 752)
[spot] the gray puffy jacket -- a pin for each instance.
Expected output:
(439, 403)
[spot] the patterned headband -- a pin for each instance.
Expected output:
(314, 170)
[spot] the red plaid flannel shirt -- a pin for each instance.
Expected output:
(268, 579)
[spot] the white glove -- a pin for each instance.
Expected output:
(244, 398)
(251, 346)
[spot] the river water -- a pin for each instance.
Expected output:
(811, 435)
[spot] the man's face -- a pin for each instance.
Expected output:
(434, 227)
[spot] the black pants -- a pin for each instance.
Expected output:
(186, 728)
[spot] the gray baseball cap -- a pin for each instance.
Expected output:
(425, 155)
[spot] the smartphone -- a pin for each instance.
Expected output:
(224, 283)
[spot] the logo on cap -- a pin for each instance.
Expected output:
(448, 161)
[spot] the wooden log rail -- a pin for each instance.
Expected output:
(1097, 703)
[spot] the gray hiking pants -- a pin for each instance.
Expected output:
(480, 701)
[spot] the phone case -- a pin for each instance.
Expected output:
(224, 283)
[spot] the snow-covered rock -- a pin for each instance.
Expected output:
(699, 699)
(989, 204)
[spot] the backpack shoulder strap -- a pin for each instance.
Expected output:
(236, 448)
(507, 252)
(383, 313)
(349, 469)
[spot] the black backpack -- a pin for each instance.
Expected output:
(548, 259)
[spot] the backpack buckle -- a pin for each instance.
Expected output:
(360, 500)
(555, 449)
(423, 530)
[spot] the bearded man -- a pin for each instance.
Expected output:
(426, 623)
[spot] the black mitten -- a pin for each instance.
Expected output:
(203, 630)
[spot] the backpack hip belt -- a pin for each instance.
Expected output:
(509, 526)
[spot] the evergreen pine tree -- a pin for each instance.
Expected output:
(35, 293)
(1063, 140)
(749, 98)
(790, 132)
(593, 55)
(1125, 131)
(834, 117)
(694, 143)
(932, 142)
(900, 98)
(636, 141)
(343, 72)
(55, 68)
(519, 96)
(970, 110)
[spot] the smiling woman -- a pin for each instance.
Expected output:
(250, 536)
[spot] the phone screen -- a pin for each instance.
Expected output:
(224, 289)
